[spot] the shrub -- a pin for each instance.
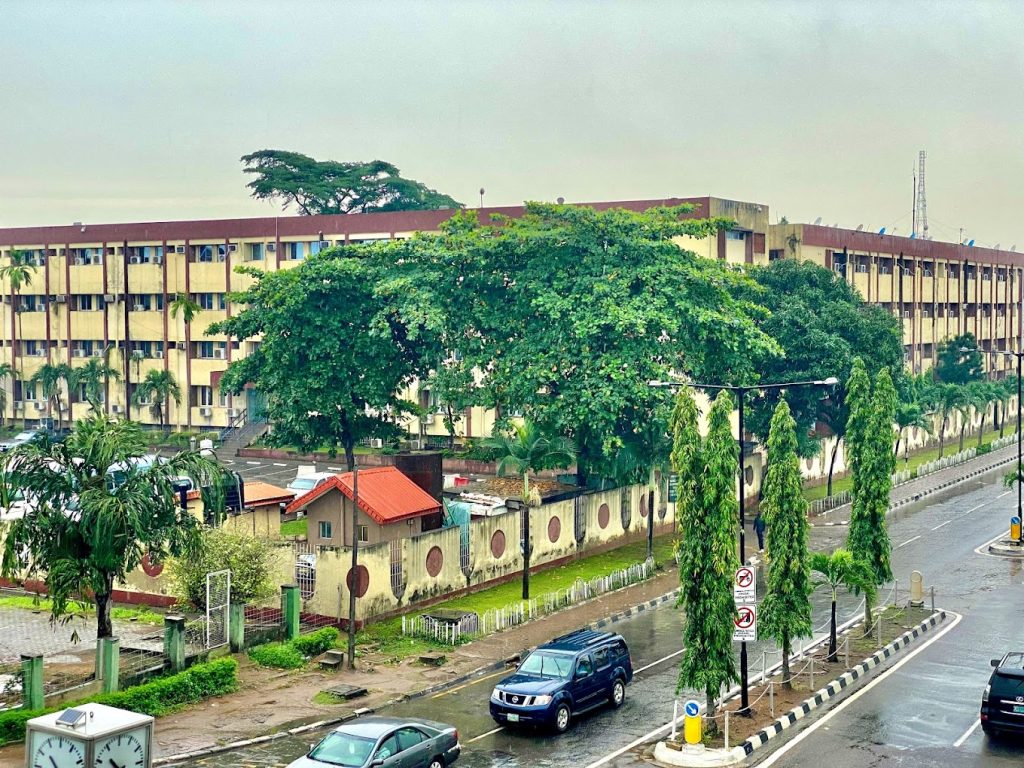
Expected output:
(156, 697)
(279, 655)
(250, 559)
(983, 449)
(317, 642)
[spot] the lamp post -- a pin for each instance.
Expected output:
(1019, 356)
(741, 393)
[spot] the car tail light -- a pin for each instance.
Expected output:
(456, 735)
(984, 696)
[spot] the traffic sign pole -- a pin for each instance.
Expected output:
(744, 710)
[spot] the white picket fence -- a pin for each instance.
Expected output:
(521, 611)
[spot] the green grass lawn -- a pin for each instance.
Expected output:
(916, 459)
(142, 614)
(294, 527)
(387, 635)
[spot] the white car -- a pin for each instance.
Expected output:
(303, 484)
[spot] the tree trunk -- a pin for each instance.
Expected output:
(899, 439)
(350, 452)
(104, 626)
(942, 436)
(906, 454)
(963, 433)
(1002, 419)
(832, 631)
(650, 520)
(787, 682)
(981, 429)
(831, 469)
(867, 613)
(450, 426)
(526, 535)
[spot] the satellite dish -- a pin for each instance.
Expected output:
(970, 244)
(817, 221)
(860, 227)
(881, 231)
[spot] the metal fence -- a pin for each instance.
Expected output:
(519, 612)
(946, 461)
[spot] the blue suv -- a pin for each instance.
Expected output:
(564, 678)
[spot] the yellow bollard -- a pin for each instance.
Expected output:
(1014, 528)
(693, 724)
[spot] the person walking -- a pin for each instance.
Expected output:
(759, 530)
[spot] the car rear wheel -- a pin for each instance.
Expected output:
(562, 718)
(618, 693)
(437, 762)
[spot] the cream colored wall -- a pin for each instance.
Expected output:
(419, 584)
(264, 522)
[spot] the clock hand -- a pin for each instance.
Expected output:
(52, 761)
(113, 764)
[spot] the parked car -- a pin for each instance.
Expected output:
(570, 675)
(388, 742)
(1002, 703)
(22, 438)
(304, 483)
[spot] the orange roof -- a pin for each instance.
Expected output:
(385, 494)
(260, 494)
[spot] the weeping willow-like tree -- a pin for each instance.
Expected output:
(786, 610)
(707, 513)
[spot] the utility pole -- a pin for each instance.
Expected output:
(353, 586)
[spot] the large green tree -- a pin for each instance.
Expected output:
(786, 610)
(872, 465)
(569, 312)
(707, 515)
(93, 519)
(954, 365)
(327, 186)
(334, 354)
(527, 449)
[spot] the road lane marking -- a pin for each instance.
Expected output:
(942, 524)
(335, 469)
(908, 541)
(254, 464)
(959, 742)
(775, 756)
(280, 465)
(472, 682)
(659, 661)
(484, 735)
(983, 549)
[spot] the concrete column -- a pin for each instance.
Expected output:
(290, 601)
(111, 657)
(236, 627)
(32, 681)
(174, 641)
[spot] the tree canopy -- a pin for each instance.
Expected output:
(952, 366)
(327, 186)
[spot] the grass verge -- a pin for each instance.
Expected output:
(142, 614)
(294, 527)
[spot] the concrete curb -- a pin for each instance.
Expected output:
(630, 612)
(763, 736)
(1007, 548)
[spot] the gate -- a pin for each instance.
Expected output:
(397, 579)
(218, 601)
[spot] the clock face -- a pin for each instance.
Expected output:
(125, 750)
(57, 752)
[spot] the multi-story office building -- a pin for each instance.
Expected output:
(939, 289)
(106, 291)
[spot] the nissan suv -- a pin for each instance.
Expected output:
(562, 679)
(1002, 703)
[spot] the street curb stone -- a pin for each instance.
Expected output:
(763, 736)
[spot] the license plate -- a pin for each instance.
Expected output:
(1018, 709)
(513, 718)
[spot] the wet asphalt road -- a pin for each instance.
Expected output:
(912, 717)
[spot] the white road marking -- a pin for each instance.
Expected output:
(483, 735)
(659, 661)
(254, 464)
(908, 541)
(959, 742)
(983, 549)
(335, 469)
(941, 524)
(280, 465)
(855, 695)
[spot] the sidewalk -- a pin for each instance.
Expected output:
(271, 700)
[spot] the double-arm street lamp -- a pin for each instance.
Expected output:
(741, 394)
(1018, 355)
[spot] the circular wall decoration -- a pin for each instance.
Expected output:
(603, 514)
(643, 505)
(435, 560)
(627, 513)
(748, 475)
(554, 529)
(364, 580)
(151, 568)
(498, 543)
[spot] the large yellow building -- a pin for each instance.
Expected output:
(106, 290)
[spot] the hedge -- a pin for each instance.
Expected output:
(293, 653)
(317, 642)
(157, 697)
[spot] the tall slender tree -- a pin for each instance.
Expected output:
(51, 378)
(93, 378)
(786, 610)
(158, 389)
(18, 273)
(6, 372)
(707, 510)
(186, 308)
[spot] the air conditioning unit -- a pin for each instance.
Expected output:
(232, 413)
(60, 299)
(179, 249)
(39, 353)
(96, 352)
(232, 247)
(19, 405)
(107, 297)
(63, 407)
(376, 443)
(158, 354)
(181, 345)
(221, 256)
(134, 260)
(40, 406)
(157, 260)
(271, 247)
(78, 352)
(325, 243)
(138, 307)
(116, 409)
(111, 250)
(219, 354)
(206, 412)
(415, 445)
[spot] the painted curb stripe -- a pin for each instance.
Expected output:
(762, 737)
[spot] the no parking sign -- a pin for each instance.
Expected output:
(745, 624)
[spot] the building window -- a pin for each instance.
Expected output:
(294, 251)
(32, 348)
(202, 396)
(31, 303)
(733, 234)
(86, 256)
(325, 529)
(255, 251)
(24, 390)
(210, 301)
(775, 254)
(364, 534)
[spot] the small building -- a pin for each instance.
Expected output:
(261, 515)
(391, 507)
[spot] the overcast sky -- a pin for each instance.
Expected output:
(121, 111)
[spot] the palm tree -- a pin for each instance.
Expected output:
(984, 393)
(913, 411)
(100, 509)
(7, 371)
(95, 375)
(18, 273)
(49, 378)
(158, 389)
(188, 309)
(839, 569)
(944, 399)
(527, 450)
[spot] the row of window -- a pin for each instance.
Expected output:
(862, 265)
(93, 302)
(326, 531)
(199, 395)
(200, 350)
